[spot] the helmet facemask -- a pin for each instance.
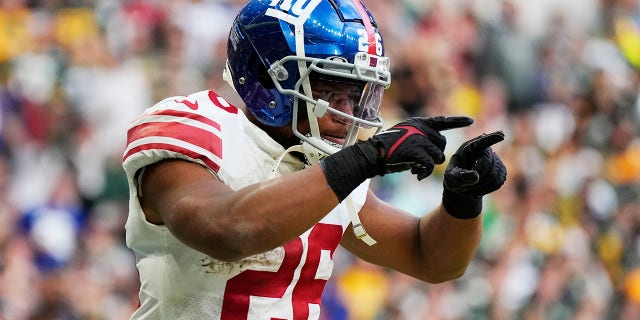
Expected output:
(366, 80)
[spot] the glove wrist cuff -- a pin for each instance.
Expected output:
(346, 169)
(460, 206)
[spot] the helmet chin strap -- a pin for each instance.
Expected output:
(356, 225)
(311, 153)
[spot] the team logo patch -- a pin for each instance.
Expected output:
(295, 12)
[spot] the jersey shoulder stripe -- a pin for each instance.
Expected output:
(209, 161)
(170, 130)
(184, 132)
(193, 151)
(177, 114)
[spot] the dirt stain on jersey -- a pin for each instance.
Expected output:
(267, 261)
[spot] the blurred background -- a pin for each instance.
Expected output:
(560, 77)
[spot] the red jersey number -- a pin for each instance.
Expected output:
(307, 290)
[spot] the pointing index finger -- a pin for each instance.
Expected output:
(477, 145)
(445, 123)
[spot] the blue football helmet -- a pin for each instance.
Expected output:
(276, 46)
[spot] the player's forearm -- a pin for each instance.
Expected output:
(281, 209)
(448, 244)
(262, 216)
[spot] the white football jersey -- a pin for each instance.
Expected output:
(178, 282)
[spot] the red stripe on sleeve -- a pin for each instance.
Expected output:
(176, 130)
(185, 114)
(170, 147)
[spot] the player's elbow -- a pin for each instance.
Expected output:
(444, 276)
(228, 242)
(438, 273)
(222, 243)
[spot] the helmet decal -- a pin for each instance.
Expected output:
(373, 43)
(295, 12)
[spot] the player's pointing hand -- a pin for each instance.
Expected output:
(415, 144)
(473, 171)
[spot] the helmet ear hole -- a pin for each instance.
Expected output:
(255, 68)
(263, 76)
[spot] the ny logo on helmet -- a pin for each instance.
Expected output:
(295, 12)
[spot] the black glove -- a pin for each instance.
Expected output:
(473, 171)
(414, 144)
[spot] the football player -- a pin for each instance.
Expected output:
(235, 212)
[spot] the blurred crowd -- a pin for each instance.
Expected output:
(561, 79)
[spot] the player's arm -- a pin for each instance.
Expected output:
(434, 248)
(229, 225)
